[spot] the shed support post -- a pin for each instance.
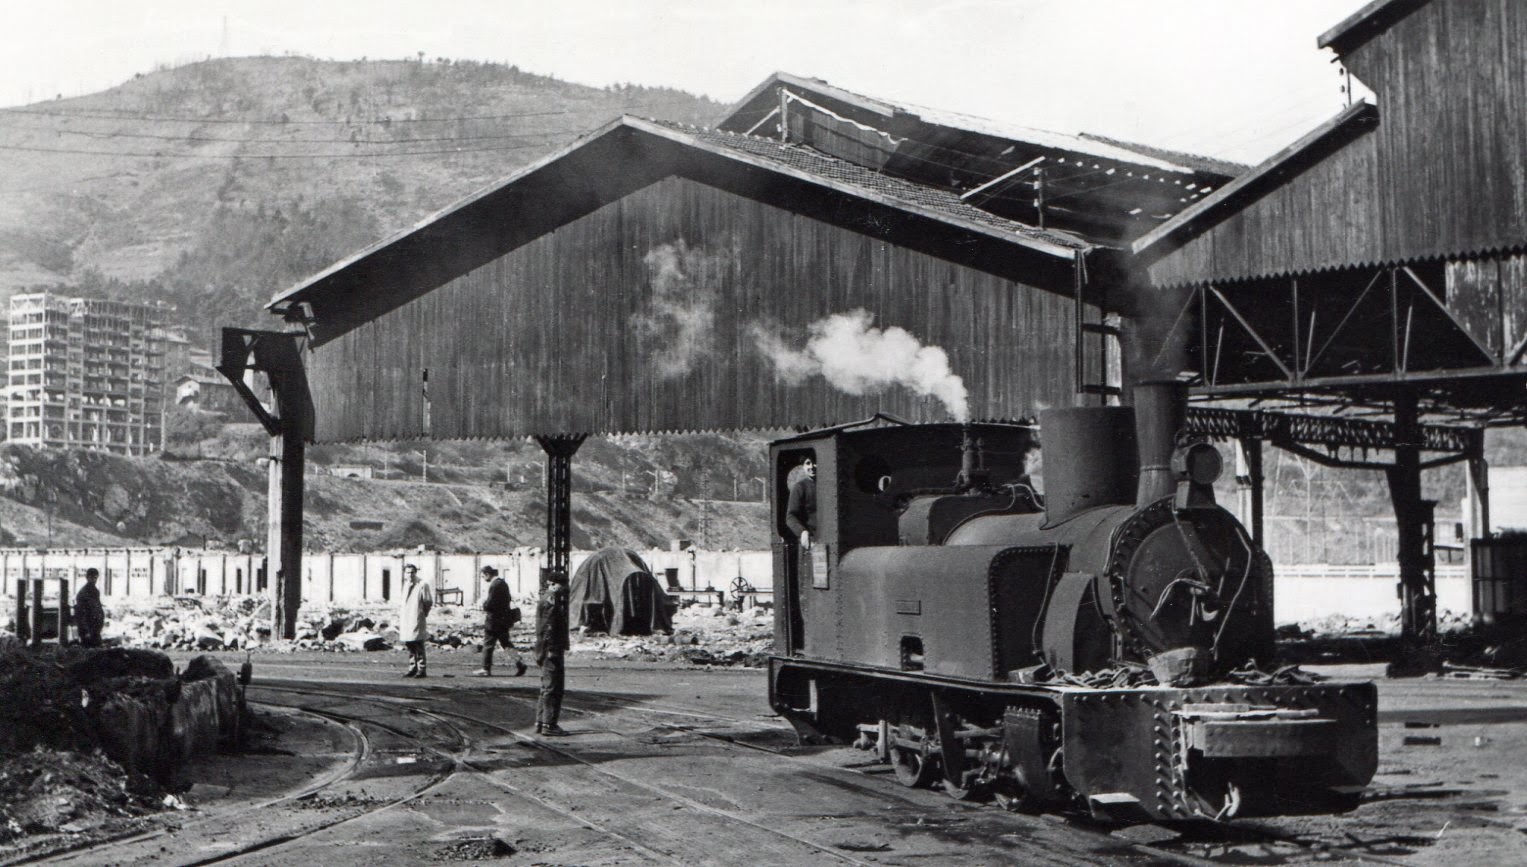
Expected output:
(1248, 474)
(1413, 520)
(283, 542)
(559, 494)
(290, 425)
(1478, 482)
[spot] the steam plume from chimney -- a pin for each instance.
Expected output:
(678, 324)
(857, 358)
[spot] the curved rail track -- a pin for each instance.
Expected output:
(462, 747)
(592, 708)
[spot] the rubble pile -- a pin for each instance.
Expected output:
(72, 753)
(45, 791)
(1345, 625)
(702, 635)
(243, 623)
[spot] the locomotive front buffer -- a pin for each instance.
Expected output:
(1158, 753)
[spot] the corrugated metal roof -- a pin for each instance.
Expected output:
(799, 162)
(924, 197)
(1197, 162)
(1093, 146)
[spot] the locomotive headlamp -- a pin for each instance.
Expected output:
(1196, 467)
(1198, 463)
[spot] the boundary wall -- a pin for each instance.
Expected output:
(347, 578)
(1302, 592)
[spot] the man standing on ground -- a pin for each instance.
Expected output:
(500, 611)
(551, 645)
(88, 614)
(418, 599)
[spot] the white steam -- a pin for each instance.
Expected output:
(679, 322)
(857, 358)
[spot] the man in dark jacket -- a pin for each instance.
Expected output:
(499, 608)
(551, 645)
(89, 617)
(801, 509)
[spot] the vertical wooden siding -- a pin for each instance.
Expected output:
(542, 339)
(1443, 174)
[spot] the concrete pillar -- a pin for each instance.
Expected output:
(64, 618)
(34, 616)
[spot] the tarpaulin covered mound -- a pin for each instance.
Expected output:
(614, 591)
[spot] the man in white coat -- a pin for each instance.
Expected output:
(418, 599)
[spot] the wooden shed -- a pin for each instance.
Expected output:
(1377, 265)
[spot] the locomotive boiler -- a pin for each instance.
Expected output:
(1105, 646)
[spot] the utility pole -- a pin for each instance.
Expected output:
(705, 507)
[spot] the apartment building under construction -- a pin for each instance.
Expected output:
(85, 373)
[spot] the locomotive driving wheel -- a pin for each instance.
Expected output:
(914, 767)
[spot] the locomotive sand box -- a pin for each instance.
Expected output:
(1102, 647)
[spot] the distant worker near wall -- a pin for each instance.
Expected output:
(501, 615)
(413, 631)
(551, 647)
(89, 617)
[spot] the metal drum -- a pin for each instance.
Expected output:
(1500, 577)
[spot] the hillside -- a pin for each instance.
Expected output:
(215, 184)
(633, 491)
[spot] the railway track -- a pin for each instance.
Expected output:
(666, 847)
(894, 807)
(620, 811)
(122, 846)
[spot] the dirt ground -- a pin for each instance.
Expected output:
(687, 764)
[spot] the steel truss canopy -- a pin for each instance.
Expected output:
(1328, 431)
(1348, 340)
(1385, 252)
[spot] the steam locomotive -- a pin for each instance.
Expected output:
(1094, 648)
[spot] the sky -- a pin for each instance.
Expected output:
(1232, 78)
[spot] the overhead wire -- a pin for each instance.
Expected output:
(996, 161)
(142, 155)
(198, 139)
(382, 121)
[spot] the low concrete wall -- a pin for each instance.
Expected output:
(1305, 593)
(348, 578)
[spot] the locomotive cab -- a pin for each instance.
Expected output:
(875, 486)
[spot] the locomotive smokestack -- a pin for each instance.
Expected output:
(1161, 410)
